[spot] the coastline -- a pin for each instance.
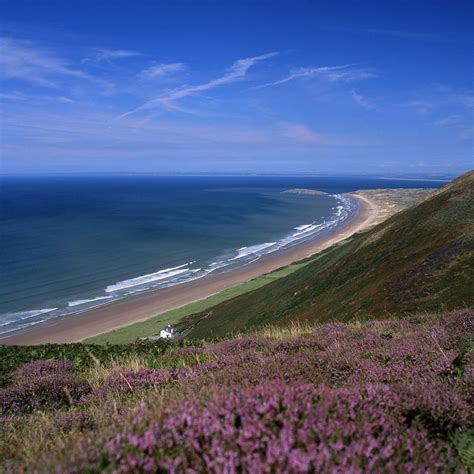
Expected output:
(75, 328)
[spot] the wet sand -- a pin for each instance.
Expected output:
(74, 328)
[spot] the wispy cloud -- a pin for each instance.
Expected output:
(404, 34)
(160, 70)
(35, 98)
(464, 99)
(12, 96)
(23, 60)
(410, 35)
(421, 106)
(301, 133)
(237, 71)
(439, 96)
(63, 99)
(307, 72)
(344, 73)
(107, 55)
(351, 75)
(361, 100)
(449, 120)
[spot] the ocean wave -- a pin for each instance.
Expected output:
(305, 229)
(151, 277)
(5, 333)
(252, 250)
(304, 226)
(91, 300)
(10, 318)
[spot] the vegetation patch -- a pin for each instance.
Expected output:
(328, 397)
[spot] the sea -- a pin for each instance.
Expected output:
(69, 244)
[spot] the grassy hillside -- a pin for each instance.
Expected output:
(379, 396)
(421, 259)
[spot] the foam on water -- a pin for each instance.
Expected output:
(8, 318)
(87, 301)
(151, 277)
(253, 249)
(303, 227)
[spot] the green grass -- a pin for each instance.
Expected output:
(156, 323)
(464, 444)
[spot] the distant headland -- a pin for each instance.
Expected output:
(313, 192)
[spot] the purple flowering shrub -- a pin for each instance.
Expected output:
(41, 368)
(42, 393)
(238, 346)
(273, 427)
(146, 378)
(382, 396)
(128, 381)
(42, 385)
(387, 396)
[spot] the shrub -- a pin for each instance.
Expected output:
(271, 428)
(128, 381)
(40, 368)
(42, 393)
(343, 399)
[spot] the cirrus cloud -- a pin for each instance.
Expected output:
(361, 100)
(237, 71)
(343, 73)
(23, 60)
(107, 55)
(161, 70)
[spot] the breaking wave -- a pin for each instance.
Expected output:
(150, 278)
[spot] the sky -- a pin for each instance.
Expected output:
(263, 87)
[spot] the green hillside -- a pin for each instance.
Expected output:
(421, 259)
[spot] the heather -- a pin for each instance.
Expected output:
(42, 393)
(392, 395)
(82, 356)
(274, 427)
(41, 368)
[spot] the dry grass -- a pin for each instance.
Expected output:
(294, 330)
(99, 372)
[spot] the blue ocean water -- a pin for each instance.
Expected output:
(72, 243)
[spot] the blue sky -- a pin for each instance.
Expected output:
(220, 86)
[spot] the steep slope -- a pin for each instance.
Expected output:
(421, 259)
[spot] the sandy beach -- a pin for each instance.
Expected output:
(74, 328)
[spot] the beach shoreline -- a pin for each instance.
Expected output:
(121, 313)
